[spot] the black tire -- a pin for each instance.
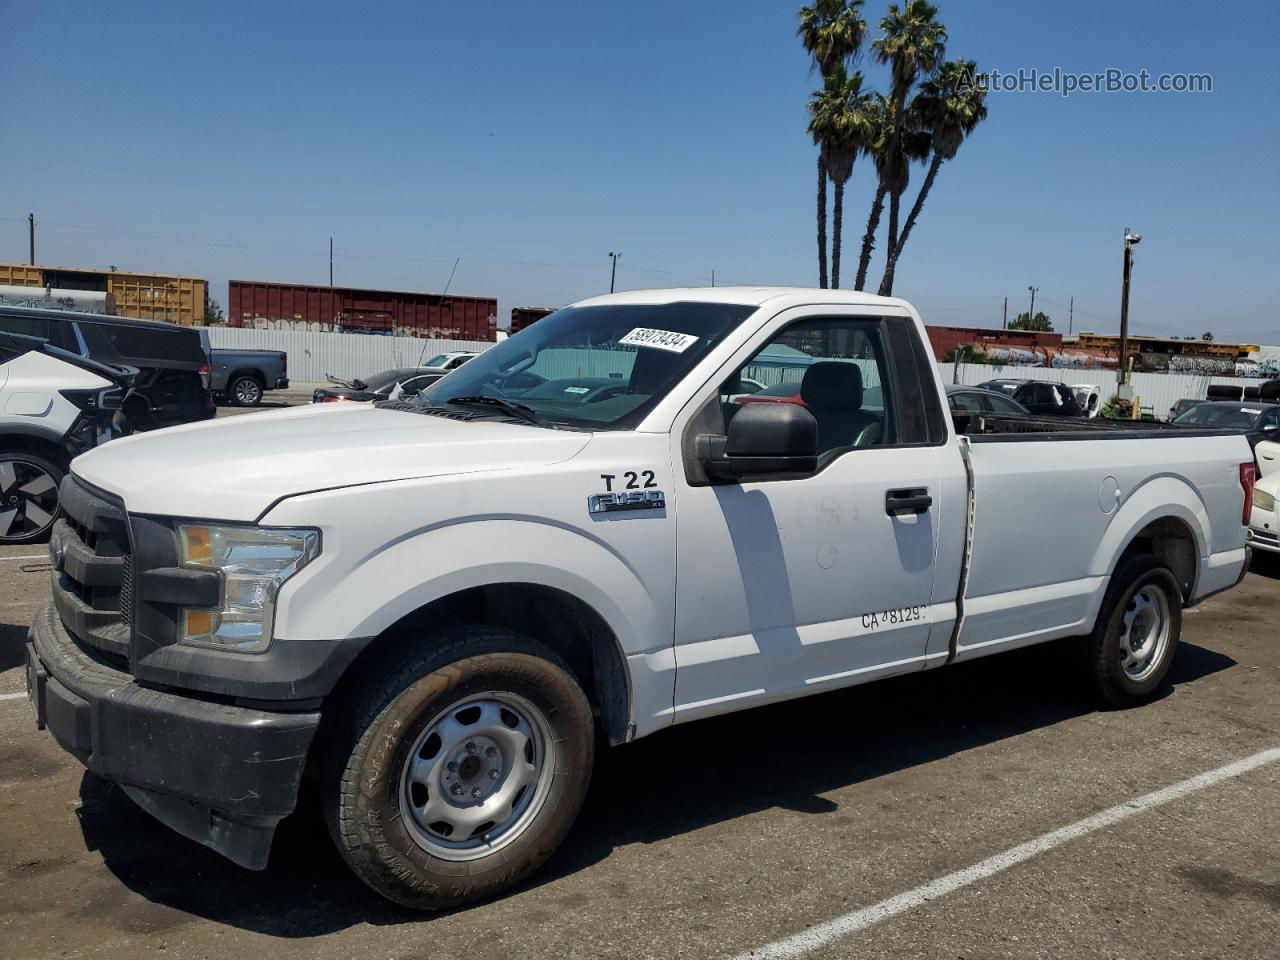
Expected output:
(1136, 581)
(245, 391)
(27, 508)
(369, 814)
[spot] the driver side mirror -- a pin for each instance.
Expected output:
(764, 440)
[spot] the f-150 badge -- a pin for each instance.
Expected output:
(626, 500)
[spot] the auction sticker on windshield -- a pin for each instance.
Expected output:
(661, 339)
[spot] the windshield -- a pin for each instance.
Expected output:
(602, 367)
(439, 360)
(1220, 415)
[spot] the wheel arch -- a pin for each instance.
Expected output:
(569, 626)
(37, 441)
(1166, 518)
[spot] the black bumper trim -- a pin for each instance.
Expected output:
(222, 775)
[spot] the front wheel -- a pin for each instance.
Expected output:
(462, 771)
(28, 497)
(1137, 632)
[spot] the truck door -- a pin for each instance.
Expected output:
(789, 586)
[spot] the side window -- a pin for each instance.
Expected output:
(1000, 404)
(26, 326)
(1272, 418)
(966, 402)
(838, 369)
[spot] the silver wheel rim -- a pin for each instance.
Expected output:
(246, 390)
(1145, 631)
(477, 776)
(28, 500)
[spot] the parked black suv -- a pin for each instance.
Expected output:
(172, 385)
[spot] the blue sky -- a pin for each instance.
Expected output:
(232, 139)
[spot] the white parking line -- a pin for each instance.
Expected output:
(13, 696)
(823, 934)
(34, 556)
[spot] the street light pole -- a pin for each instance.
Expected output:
(1131, 240)
(613, 272)
(1031, 315)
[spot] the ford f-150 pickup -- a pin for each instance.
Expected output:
(437, 608)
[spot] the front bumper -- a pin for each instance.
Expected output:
(1264, 539)
(223, 775)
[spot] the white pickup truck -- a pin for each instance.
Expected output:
(642, 510)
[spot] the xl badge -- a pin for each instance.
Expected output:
(626, 500)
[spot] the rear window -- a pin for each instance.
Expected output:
(176, 345)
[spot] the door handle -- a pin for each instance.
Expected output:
(911, 500)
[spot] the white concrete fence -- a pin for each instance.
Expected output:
(312, 355)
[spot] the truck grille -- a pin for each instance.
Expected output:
(89, 550)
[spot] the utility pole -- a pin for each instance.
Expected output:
(31, 235)
(1031, 315)
(1071, 315)
(1004, 317)
(713, 278)
(331, 264)
(613, 272)
(1130, 241)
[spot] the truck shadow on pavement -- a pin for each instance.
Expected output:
(13, 643)
(666, 785)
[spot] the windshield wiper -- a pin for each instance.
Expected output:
(519, 410)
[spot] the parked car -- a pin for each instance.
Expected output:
(1256, 420)
(379, 386)
(241, 377)
(1267, 453)
(1264, 518)
(444, 362)
(172, 382)
(1042, 398)
(1089, 396)
(53, 407)
(434, 606)
(971, 400)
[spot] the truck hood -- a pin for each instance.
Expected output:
(237, 467)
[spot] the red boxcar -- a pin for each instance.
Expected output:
(433, 315)
(522, 317)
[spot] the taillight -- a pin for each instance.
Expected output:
(204, 375)
(1248, 477)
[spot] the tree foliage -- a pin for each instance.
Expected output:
(1040, 323)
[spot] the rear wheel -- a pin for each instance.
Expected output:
(456, 776)
(1137, 632)
(28, 496)
(245, 391)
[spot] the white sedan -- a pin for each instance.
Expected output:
(1264, 521)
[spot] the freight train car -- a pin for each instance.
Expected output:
(148, 296)
(293, 306)
(522, 317)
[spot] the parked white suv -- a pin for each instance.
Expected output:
(53, 406)
(440, 607)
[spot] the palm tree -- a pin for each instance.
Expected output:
(832, 31)
(949, 106)
(840, 120)
(878, 148)
(913, 43)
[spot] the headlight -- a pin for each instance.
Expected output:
(1263, 500)
(254, 562)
